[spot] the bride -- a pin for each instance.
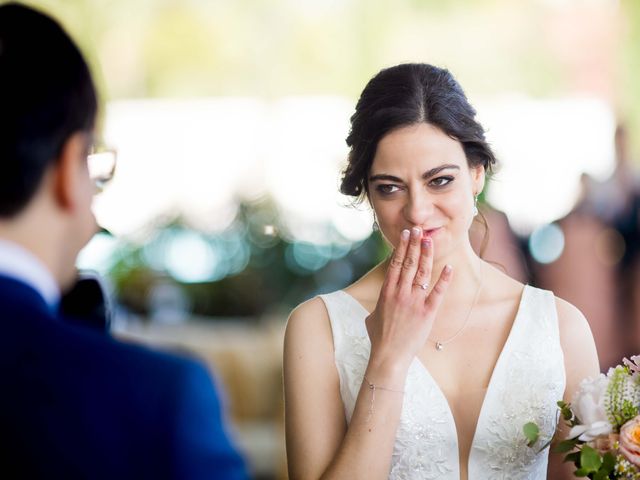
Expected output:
(430, 364)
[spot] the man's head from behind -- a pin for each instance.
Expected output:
(48, 105)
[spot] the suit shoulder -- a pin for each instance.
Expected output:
(157, 359)
(130, 358)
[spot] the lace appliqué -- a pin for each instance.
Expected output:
(523, 398)
(423, 447)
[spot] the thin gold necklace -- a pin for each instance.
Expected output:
(440, 344)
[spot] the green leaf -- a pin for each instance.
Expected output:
(565, 410)
(573, 457)
(545, 445)
(601, 475)
(590, 459)
(581, 472)
(532, 432)
(608, 462)
(565, 446)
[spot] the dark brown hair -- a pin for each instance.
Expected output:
(405, 95)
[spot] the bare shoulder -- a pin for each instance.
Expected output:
(313, 308)
(314, 414)
(571, 322)
(578, 346)
(309, 320)
(308, 350)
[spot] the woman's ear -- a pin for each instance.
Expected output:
(477, 178)
(69, 171)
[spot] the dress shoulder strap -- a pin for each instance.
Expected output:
(350, 342)
(347, 318)
(542, 309)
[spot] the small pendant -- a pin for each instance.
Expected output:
(439, 346)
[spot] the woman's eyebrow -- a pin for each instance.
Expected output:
(384, 176)
(436, 170)
(425, 175)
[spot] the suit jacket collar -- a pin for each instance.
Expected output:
(19, 263)
(16, 293)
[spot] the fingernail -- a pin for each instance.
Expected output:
(427, 241)
(415, 231)
(405, 234)
(447, 269)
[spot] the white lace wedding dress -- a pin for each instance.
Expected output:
(527, 381)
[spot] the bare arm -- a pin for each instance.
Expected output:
(580, 362)
(320, 444)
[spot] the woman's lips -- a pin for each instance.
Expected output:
(430, 232)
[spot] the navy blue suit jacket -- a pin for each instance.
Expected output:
(78, 404)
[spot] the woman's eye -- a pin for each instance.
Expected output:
(441, 181)
(387, 189)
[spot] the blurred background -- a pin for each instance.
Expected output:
(229, 120)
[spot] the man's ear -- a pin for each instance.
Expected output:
(69, 169)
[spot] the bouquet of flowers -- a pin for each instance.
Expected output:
(604, 416)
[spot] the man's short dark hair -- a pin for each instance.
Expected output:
(46, 95)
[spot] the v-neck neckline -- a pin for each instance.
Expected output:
(417, 364)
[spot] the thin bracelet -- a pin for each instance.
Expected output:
(373, 387)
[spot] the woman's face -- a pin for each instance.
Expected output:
(420, 177)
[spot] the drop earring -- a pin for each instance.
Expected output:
(475, 206)
(375, 227)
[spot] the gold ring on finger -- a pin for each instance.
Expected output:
(423, 286)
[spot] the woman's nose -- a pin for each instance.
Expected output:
(418, 209)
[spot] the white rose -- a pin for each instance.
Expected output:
(588, 406)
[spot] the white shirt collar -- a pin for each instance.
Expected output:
(19, 263)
